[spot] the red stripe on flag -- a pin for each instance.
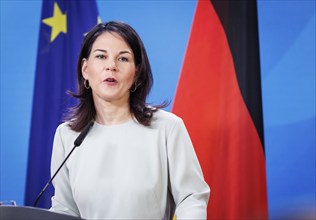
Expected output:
(224, 136)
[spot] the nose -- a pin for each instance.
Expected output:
(111, 66)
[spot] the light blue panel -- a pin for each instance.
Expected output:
(287, 41)
(164, 27)
(291, 75)
(19, 36)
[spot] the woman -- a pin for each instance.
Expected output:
(137, 161)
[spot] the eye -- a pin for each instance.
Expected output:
(123, 59)
(100, 56)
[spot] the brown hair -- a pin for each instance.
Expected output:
(84, 111)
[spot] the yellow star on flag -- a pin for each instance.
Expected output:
(58, 22)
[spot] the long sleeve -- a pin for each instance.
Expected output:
(62, 201)
(190, 191)
(129, 171)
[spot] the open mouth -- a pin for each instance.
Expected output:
(110, 81)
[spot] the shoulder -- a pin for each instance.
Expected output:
(64, 136)
(64, 130)
(64, 126)
(165, 116)
(166, 120)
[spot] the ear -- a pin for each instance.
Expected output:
(136, 73)
(84, 66)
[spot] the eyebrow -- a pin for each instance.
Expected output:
(105, 51)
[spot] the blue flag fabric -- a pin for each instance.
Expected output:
(62, 28)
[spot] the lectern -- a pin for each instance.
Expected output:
(30, 213)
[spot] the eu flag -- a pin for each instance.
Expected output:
(62, 28)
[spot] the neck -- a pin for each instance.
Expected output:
(108, 113)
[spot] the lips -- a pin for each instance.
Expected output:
(110, 81)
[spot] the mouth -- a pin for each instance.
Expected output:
(110, 81)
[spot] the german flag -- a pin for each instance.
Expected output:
(219, 99)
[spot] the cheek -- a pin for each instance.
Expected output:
(130, 75)
(94, 71)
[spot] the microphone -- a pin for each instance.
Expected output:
(77, 143)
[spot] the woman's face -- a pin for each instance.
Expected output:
(110, 68)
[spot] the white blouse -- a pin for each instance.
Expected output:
(129, 171)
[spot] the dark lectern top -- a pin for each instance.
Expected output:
(30, 213)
